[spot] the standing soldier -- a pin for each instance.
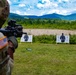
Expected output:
(7, 45)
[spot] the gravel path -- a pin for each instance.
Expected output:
(49, 31)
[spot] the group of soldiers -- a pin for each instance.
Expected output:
(7, 44)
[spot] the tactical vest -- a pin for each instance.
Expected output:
(3, 55)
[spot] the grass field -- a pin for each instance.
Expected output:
(45, 59)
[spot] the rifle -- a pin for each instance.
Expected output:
(13, 29)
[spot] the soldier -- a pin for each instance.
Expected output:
(7, 45)
(4, 7)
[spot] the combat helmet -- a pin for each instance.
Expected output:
(4, 11)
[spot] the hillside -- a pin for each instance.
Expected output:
(50, 16)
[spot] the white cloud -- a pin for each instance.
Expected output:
(9, 1)
(66, 0)
(47, 1)
(60, 1)
(22, 5)
(58, 11)
(40, 7)
(18, 12)
(47, 4)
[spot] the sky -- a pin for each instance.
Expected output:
(42, 7)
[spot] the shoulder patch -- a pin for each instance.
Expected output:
(3, 42)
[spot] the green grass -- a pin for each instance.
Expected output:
(45, 59)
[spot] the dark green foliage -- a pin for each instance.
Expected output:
(47, 23)
(72, 39)
(51, 39)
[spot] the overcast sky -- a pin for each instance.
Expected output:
(41, 7)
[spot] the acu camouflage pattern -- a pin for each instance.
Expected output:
(3, 59)
(4, 11)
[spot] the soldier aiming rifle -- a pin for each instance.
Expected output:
(8, 41)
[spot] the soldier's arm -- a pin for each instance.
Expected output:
(12, 45)
(10, 49)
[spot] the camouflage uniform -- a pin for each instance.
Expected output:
(10, 66)
(6, 62)
(4, 57)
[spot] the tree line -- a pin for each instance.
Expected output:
(47, 23)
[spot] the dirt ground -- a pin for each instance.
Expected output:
(49, 31)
